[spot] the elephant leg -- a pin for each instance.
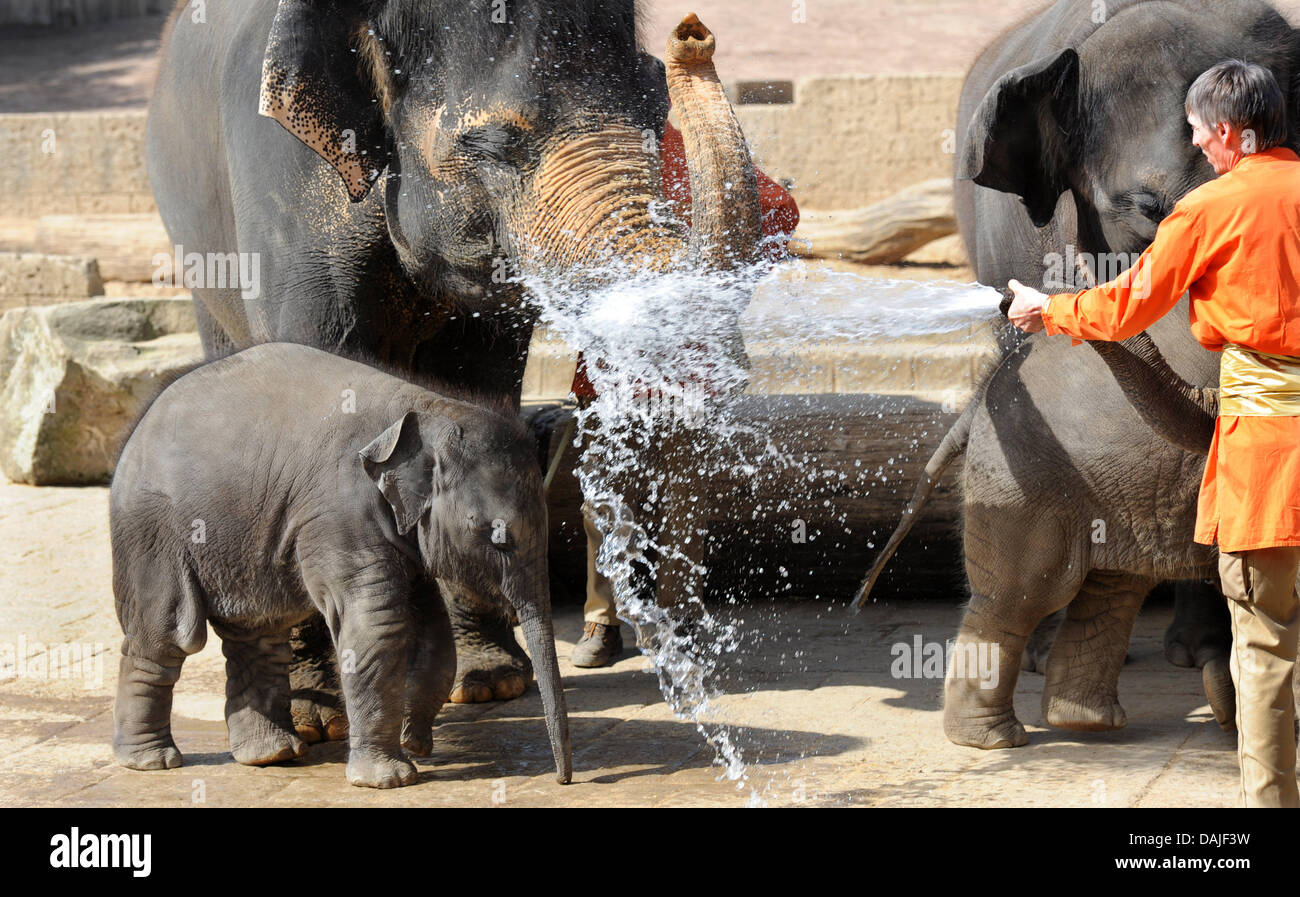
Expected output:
(1082, 688)
(142, 713)
(1201, 629)
(430, 670)
(665, 492)
(258, 718)
(490, 663)
(216, 342)
(1200, 635)
(316, 698)
(979, 711)
(1015, 584)
(158, 634)
(1039, 648)
(372, 635)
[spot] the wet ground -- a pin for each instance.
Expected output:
(811, 698)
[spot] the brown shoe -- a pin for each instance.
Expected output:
(598, 646)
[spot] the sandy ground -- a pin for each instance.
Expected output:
(815, 710)
(111, 66)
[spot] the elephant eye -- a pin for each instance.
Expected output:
(495, 143)
(1148, 204)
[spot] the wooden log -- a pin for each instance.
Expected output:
(806, 529)
(882, 233)
(125, 245)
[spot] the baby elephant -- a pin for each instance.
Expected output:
(284, 481)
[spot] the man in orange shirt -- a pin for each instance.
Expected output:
(1234, 245)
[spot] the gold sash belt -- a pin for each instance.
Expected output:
(1258, 384)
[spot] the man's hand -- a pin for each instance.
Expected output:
(1026, 311)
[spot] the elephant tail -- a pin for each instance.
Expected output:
(953, 444)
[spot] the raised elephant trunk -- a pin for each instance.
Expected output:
(534, 610)
(1179, 412)
(725, 217)
(594, 196)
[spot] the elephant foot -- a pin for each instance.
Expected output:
(1077, 714)
(150, 758)
(1177, 652)
(986, 733)
(316, 698)
(264, 752)
(380, 771)
(1216, 678)
(1200, 630)
(318, 715)
(273, 747)
(1191, 646)
(490, 664)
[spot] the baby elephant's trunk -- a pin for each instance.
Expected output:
(535, 617)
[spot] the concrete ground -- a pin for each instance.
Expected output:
(810, 697)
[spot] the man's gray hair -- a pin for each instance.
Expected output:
(1243, 95)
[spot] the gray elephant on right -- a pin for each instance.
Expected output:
(1074, 145)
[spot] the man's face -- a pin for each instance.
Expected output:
(1213, 143)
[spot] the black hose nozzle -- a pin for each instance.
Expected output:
(1007, 298)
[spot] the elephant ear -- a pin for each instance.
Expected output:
(399, 465)
(312, 86)
(1017, 140)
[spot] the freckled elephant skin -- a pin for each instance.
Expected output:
(394, 176)
(224, 511)
(1072, 140)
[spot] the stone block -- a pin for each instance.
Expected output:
(29, 278)
(74, 379)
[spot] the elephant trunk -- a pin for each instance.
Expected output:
(593, 201)
(534, 610)
(1179, 412)
(594, 197)
(725, 216)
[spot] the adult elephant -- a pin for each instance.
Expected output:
(1074, 145)
(393, 164)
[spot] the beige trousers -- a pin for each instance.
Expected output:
(600, 594)
(1261, 589)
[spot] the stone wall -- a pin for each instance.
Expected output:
(843, 143)
(850, 141)
(73, 163)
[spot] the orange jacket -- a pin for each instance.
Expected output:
(1234, 245)
(780, 216)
